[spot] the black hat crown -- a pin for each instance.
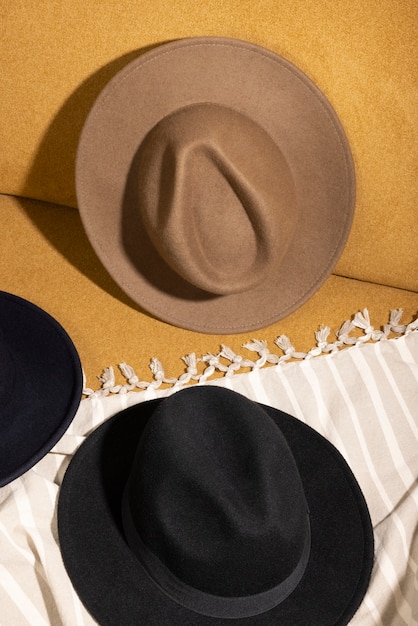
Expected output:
(214, 507)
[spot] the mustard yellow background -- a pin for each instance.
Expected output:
(56, 57)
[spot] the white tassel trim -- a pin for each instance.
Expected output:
(228, 363)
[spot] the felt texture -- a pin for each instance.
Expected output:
(219, 476)
(55, 61)
(192, 200)
(287, 160)
(40, 388)
(112, 582)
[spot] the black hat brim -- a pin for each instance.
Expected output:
(40, 388)
(116, 589)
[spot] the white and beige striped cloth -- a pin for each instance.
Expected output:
(363, 398)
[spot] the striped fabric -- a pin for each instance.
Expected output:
(364, 399)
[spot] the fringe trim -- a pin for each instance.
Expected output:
(228, 363)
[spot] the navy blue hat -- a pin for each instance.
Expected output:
(205, 508)
(40, 384)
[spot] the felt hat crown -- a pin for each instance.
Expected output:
(40, 384)
(216, 184)
(205, 508)
(215, 507)
(230, 233)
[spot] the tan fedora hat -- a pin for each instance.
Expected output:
(216, 184)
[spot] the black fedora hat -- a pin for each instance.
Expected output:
(41, 384)
(206, 508)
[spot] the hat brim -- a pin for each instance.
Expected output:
(41, 387)
(276, 95)
(114, 586)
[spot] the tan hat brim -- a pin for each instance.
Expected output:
(280, 98)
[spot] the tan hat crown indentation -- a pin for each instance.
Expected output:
(217, 197)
